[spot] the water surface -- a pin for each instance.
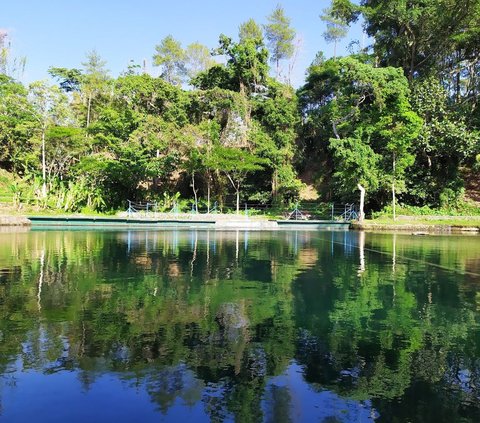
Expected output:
(238, 326)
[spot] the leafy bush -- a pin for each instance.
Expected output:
(460, 208)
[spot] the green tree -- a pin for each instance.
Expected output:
(245, 72)
(435, 42)
(372, 123)
(197, 59)
(50, 108)
(337, 28)
(170, 56)
(250, 30)
(93, 81)
(13, 67)
(16, 124)
(280, 37)
(419, 36)
(3, 52)
(195, 164)
(64, 146)
(246, 63)
(70, 79)
(275, 137)
(236, 164)
(145, 95)
(445, 144)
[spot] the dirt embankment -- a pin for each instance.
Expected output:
(472, 185)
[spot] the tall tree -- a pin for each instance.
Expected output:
(170, 56)
(3, 51)
(70, 79)
(93, 81)
(445, 144)
(50, 107)
(419, 36)
(16, 124)
(13, 67)
(280, 37)
(247, 66)
(250, 30)
(274, 139)
(337, 28)
(372, 123)
(197, 59)
(236, 164)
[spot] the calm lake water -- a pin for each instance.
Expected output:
(289, 326)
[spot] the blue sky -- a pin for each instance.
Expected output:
(61, 32)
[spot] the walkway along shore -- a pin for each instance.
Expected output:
(239, 222)
(213, 221)
(417, 228)
(14, 221)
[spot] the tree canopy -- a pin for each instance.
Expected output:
(400, 119)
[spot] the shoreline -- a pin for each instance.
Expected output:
(214, 221)
(417, 228)
(440, 225)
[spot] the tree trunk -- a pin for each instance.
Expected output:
(44, 166)
(89, 105)
(208, 194)
(393, 202)
(275, 185)
(156, 179)
(412, 65)
(393, 190)
(238, 199)
(242, 88)
(236, 187)
(413, 50)
(361, 215)
(220, 195)
(195, 193)
(457, 88)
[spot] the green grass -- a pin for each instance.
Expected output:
(461, 208)
(465, 221)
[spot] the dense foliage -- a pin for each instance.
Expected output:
(400, 118)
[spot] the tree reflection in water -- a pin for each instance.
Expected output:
(244, 326)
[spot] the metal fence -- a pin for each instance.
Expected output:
(142, 208)
(300, 211)
(322, 211)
